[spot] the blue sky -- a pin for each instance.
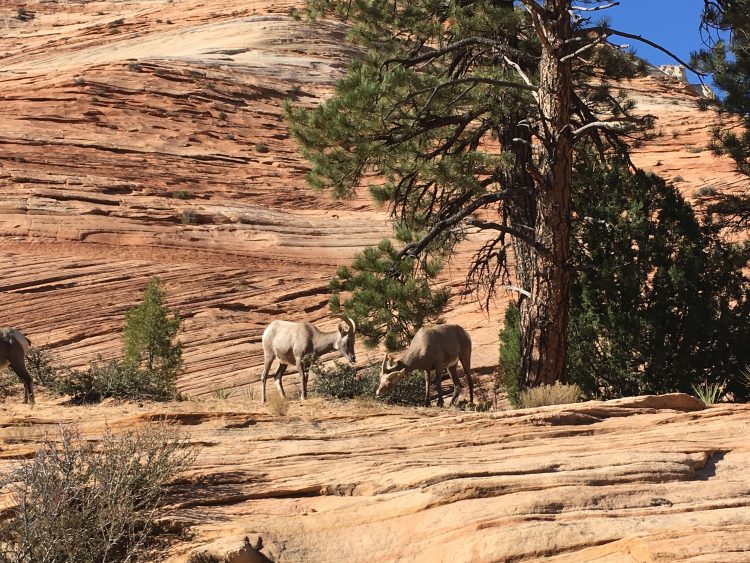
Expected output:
(670, 23)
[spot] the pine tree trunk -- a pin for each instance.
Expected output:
(544, 316)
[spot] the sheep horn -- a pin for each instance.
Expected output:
(347, 320)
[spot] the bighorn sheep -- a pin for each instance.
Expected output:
(13, 347)
(290, 342)
(432, 349)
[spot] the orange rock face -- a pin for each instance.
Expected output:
(148, 138)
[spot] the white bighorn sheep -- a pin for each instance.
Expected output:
(432, 349)
(13, 348)
(290, 342)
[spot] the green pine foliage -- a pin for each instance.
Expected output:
(660, 302)
(727, 59)
(389, 298)
(150, 331)
(509, 366)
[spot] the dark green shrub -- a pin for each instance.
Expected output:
(78, 501)
(509, 366)
(261, 147)
(182, 194)
(343, 382)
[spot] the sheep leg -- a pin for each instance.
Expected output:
(453, 370)
(466, 364)
(277, 379)
(268, 360)
(427, 388)
(28, 387)
(303, 377)
(439, 385)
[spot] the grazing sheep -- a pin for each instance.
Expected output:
(13, 347)
(289, 343)
(432, 349)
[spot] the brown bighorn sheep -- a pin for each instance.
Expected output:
(432, 349)
(13, 347)
(290, 342)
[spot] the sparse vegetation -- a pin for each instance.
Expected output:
(113, 379)
(545, 395)
(79, 501)
(342, 382)
(709, 393)
(706, 191)
(678, 179)
(182, 194)
(695, 149)
(261, 148)
(135, 67)
(189, 216)
(276, 404)
(39, 363)
(22, 14)
(222, 393)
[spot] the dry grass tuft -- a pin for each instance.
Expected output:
(545, 395)
(276, 404)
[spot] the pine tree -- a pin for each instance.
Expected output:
(388, 301)
(726, 24)
(464, 114)
(150, 331)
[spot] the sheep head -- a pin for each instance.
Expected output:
(345, 342)
(390, 374)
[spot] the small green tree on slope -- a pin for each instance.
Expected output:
(149, 336)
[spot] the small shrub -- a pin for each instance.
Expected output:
(79, 81)
(678, 179)
(22, 14)
(78, 501)
(509, 366)
(342, 382)
(182, 194)
(544, 395)
(261, 147)
(706, 191)
(116, 23)
(222, 115)
(709, 393)
(115, 379)
(8, 382)
(276, 404)
(39, 360)
(135, 67)
(189, 217)
(694, 150)
(222, 393)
